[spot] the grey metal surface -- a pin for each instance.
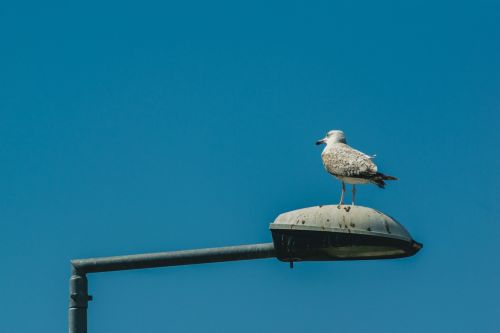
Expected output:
(78, 286)
(340, 233)
(174, 258)
(78, 302)
(346, 219)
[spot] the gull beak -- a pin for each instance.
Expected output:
(319, 142)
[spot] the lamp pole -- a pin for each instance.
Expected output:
(78, 284)
(320, 233)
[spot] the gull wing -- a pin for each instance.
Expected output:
(344, 161)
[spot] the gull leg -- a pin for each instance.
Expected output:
(353, 194)
(342, 195)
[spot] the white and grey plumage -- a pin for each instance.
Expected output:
(348, 164)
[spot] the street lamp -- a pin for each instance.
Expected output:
(345, 233)
(309, 234)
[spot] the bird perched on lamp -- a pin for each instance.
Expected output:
(349, 165)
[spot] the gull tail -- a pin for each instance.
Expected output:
(378, 179)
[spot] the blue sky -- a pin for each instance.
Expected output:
(140, 127)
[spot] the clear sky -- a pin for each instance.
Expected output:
(130, 127)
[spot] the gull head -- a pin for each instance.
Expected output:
(333, 136)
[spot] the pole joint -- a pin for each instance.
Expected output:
(78, 290)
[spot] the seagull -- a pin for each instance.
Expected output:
(348, 164)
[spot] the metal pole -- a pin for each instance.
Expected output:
(175, 258)
(78, 285)
(78, 302)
